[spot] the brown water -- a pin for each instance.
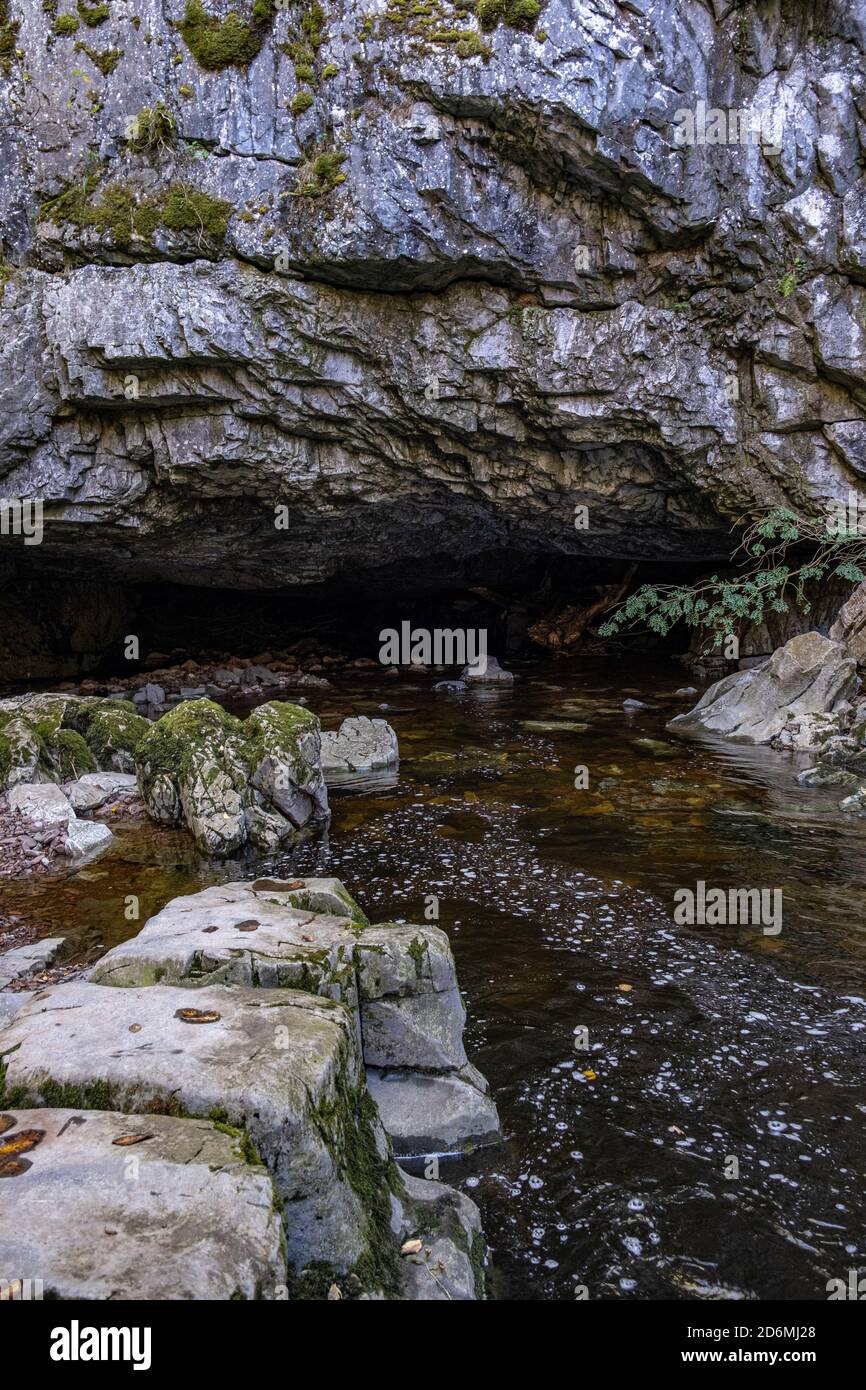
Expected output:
(705, 1043)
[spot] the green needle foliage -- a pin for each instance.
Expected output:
(771, 580)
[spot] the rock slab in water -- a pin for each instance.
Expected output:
(810, 677)
(427, 1114)
(487, 672)
(399, 980)
(359, 745)
(113, 1207)
(281, 1064)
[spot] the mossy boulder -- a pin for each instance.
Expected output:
(54, 737)
(234, 782)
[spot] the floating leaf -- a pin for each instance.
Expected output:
(625, 988)
(197, 1015)
(123, 1141)
(589, 1074)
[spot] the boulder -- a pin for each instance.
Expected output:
(850, 625)
(105, 1206)
(230, 781)
(95, 788)
(281, 1066)
(42, 803)
(450, 1263)
(86, 837)
(809, 676)
(399, 981)
(58, 737)
(488, 672)
(359, 745)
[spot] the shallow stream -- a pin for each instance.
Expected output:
(705, 1044)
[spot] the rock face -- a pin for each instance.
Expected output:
(850, 625)
(167, 1109)
(230, 781)
(359, 745)
(398, 981)
(804, 683)
(350, 282)
(112, 1206)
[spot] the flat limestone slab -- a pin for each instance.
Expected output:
(115, 1206)
(282, 1063)
(232, 934)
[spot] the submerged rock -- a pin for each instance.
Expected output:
(808, 680)
(109, 1206)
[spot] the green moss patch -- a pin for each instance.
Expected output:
(65, 25)
(221, 43)
(123, 214)
(106, 60)
(93, 15)
(320, 176)
(429, 24)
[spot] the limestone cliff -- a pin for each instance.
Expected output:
(431, 276)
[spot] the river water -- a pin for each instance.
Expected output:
(703, 1137)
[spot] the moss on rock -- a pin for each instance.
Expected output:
(221, 43)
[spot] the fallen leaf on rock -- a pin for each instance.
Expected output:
(411, 1247)
(210, 929)
(135, 1027)
(13, 1167)
(251, 925)
(7, 1122)
(123, 1141)
(21, 1142)
(197, 1015)
(334, 1294)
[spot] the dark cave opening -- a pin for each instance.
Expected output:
(64, 620)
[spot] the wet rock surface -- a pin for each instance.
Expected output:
(117, 1207)
(278, 1070)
